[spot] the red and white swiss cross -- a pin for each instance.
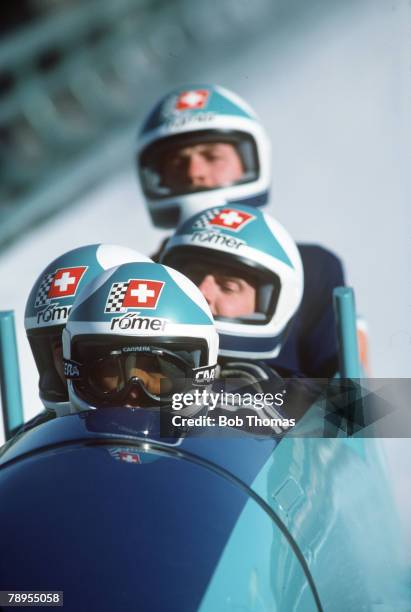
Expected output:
(194, 99)
(134, 293)
(232, 219)
(65, 282)
(59, 284)
(142, 293)
(129, 457)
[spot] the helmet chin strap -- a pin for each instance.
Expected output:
(200, 200)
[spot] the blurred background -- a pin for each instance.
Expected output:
(330, 81)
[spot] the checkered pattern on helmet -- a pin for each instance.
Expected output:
(43, 290)
(116, 297)
(208, 215)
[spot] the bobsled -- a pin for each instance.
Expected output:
(101, 508)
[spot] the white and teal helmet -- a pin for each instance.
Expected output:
(196, 115)
(48, 307)
(241, 241)
(141, 328)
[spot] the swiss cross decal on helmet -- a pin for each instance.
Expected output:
(134, 293)
(192, 99)
(61, 283)
(249, 270)
(137, 334)
(49, 305)
(231, 219)
(201, 146)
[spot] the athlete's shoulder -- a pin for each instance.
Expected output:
(317, 252)
(318, 259)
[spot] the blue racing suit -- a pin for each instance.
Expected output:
(311, 346)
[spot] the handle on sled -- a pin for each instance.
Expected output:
(344, 306)
(9, 375)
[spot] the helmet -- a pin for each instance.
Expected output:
(138, 333)
(48, 307)
(222, 245)
(200, 118)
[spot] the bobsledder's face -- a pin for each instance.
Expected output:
(133, 372)
(107, 377)
(203, 166)
(228, 294)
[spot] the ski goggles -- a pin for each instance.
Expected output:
(152, 374)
